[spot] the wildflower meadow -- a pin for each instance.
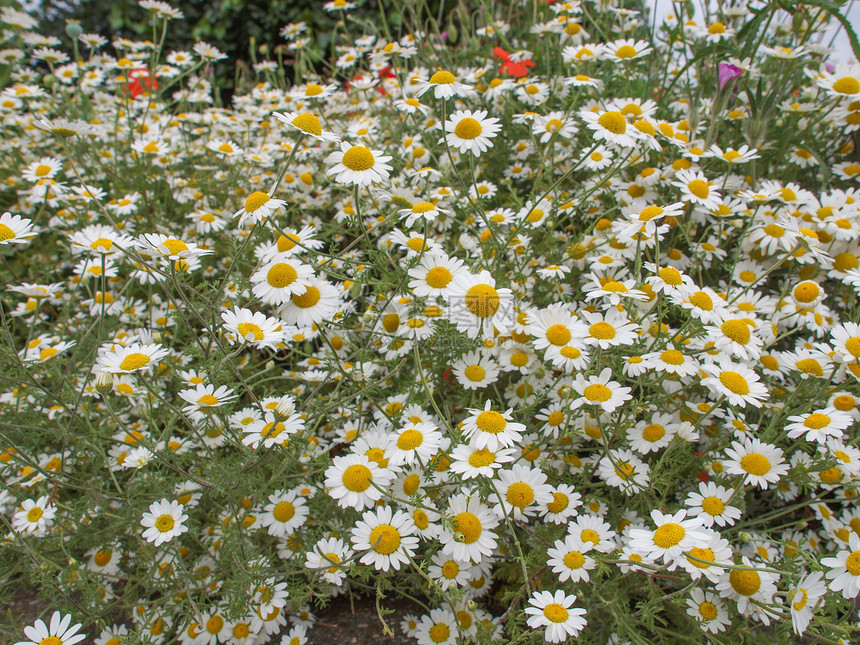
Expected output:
(539, 316)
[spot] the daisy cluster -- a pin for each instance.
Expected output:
(552, 330)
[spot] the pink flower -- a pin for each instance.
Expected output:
(727, 72)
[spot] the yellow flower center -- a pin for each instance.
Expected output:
(450, 569)
(737, 330)
(469, 525)
(520, 494)
(174, 246)
(558, 335)
(713, 506)
(717, 28)
(482, 458)
(165, 523)
(102, 557)
(668, 535)
(847, 85)
(34, 514)
(250, 329)
(475, 373)
(816, 421)
(670, 276)
(410, 439)
(555, 613)
(308, 122)
(672, 357)
(482, 300)
(701, 554)
(440, 632)
(357, 478)
(214, 624)
(653, 432)
(699, 188)
(468, 128)
(390, 322)
(745, 582)
(442, 78)
(51, 640)
(284, 511)
(708, 610)
(574, 560)
(613, 121)
(386, 538)
(734, 382)
(358, 158)
(491, 421)
(597, 392)
(853, 346)
(134, 361)
(755, 464)
(626, 51)
(852, 563)
(308, 299)
(281, 275)
(602, 331)
(650, 213)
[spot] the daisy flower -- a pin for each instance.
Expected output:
(761, 463)
(623, 470)
(130, 359)
(736, 381)
(697, 189)
(747, 585)
(273, 429)
(846, 340)
(415, 442)
(254, 328)
(626, 49)
(285, 512)
(471, 462)
(564, 505)
(163, 521)
(259, 206)
(477, 307)
(278, 281)
(57, 632)
(591, 528)
(358, 165)
(609, 329)
(471, 535)
(386, 537)
(599, 390)
(319, 302)
(440, 627)
(569, 561)
(327, 554)
(707, 608)
(557, 613)
(803, 599)
(444, 85)
(471, 131)
(350, 480)
(611, 126)
(844, 569)
(674, 534)
(44, 168)
(434, 274)
(204, 398)
(820, 425)
(735, 336)
(490, 429)
(15, 229)
(172, 248)
(307, 123)
(653, 434)
(671, 361)
(711, 505)
(35, 517)
(475, 370)
(521, 492)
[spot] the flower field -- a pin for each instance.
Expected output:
(543, 318)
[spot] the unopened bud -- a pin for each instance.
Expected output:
(104, 382)
(745, 537)
(472, 605)
(270, 365)
(285, 409)
(459, 537)
(157, 337)
(73, 29)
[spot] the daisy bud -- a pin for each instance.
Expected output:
(284, 410)
(157, 337)
(270, 365)
(104, 382)
(73, 29)
(368, 316)
(472, 605)
(745, 537)
(459, 537)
